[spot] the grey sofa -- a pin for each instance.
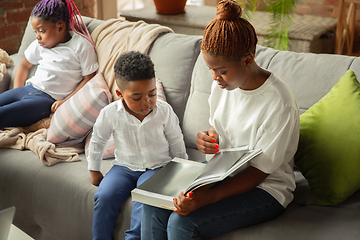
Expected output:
(57, 202)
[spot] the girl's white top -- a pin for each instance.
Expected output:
(61, 68)
(266, 118)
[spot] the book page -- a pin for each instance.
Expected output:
(217, 168)
(173, 178)
(223, 164)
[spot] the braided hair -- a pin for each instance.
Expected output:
(229, 35)
(62, 10)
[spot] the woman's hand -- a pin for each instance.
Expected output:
(208, 141)
(56, 105)
(242, 182)
(193, 201)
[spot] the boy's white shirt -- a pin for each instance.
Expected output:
(266, 118)
(138, 145)
(61, 68)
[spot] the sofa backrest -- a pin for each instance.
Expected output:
(196, 116)
(309, 76)
(187, 79)
(174, 57)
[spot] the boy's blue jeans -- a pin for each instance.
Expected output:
(23, 106)
(112, 192)
(215, 219)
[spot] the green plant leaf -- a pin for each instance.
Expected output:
(280, 23)
(248, 6)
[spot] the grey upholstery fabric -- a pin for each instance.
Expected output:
(174, 57)
(196, 116)
(310, 76)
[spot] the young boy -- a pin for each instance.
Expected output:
(147, 135)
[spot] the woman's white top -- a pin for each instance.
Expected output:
(266, 118)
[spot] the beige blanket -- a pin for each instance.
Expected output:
(116, 36)
(49, 153)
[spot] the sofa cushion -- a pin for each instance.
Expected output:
(174, 56)
(76, 117)
(196, 117)
(303, 222)
(309, 76)
(328, 153)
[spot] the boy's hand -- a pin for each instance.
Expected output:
(207, 142)
(96, 177)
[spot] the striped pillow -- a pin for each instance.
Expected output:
(76, 117)
(160, 90)
(110, 147)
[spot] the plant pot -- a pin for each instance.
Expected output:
(170, 6)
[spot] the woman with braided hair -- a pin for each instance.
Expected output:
(248, 106)
(65, 57)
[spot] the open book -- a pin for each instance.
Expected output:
(186, 175)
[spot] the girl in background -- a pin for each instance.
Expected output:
(66, 59)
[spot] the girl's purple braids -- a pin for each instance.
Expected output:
(62, 10)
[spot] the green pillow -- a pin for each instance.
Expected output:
(329, 147)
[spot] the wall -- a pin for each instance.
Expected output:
(326, 8)
(14, 15)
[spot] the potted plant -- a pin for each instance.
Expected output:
(170, 6)
(281, 12)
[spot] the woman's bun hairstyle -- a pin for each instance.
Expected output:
(229, 35)
(228, 10)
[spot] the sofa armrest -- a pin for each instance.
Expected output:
(8, 76)
(10, 72)
(5, 82)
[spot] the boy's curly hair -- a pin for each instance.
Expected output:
(133, 66)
